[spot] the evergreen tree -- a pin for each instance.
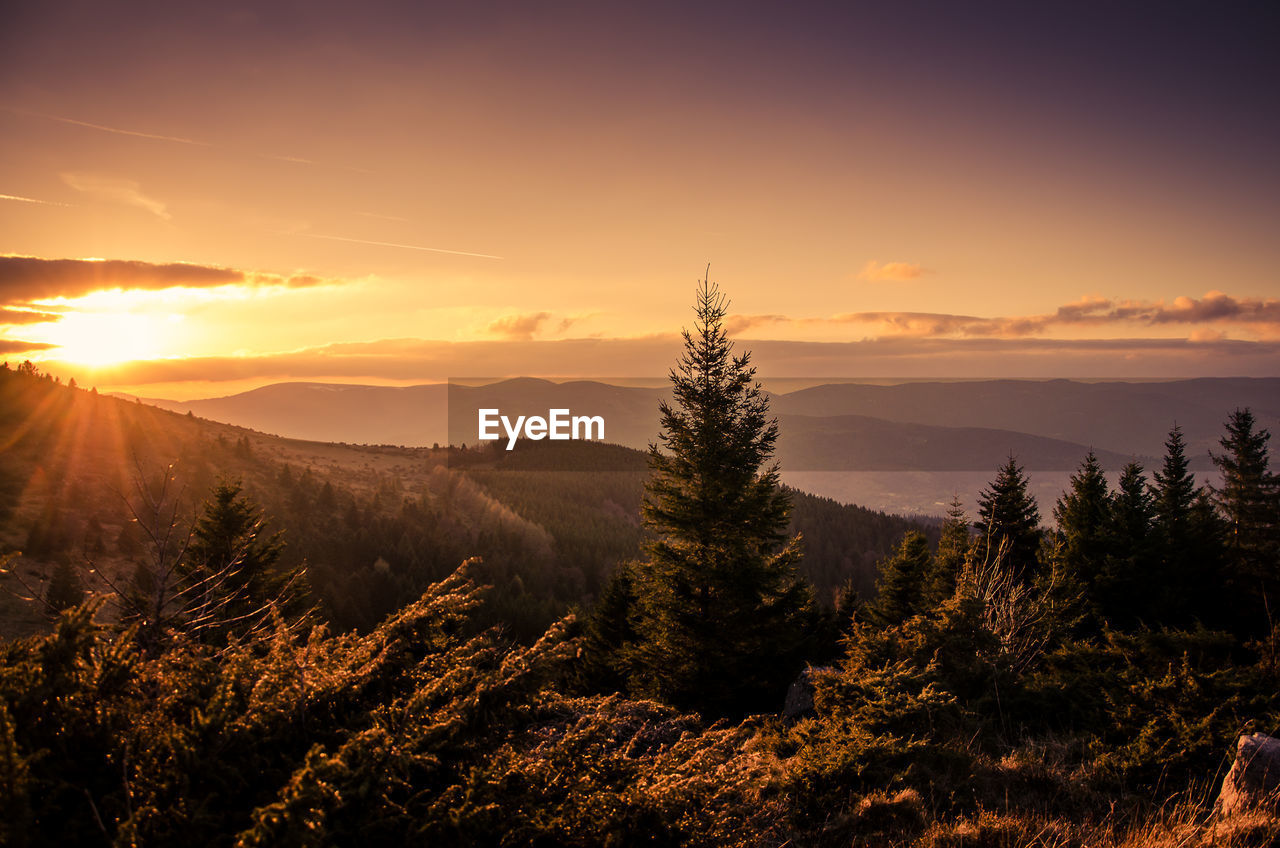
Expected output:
(609, 631)
(848, 601)
(953, 550)
(232, 567)
(1083, 514)
(1248, 496)
(1122, 591)
(1009, 519)
(721, 613)
(901, 590)
(1249, 502)
(1187, 540)
(1175, 491)
(65, 589)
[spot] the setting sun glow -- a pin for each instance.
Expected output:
(101, 338)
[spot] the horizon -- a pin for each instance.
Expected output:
(770, 384)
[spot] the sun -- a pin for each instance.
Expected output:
(105, 338)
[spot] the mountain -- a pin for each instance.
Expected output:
(420, 416)
(1126, 418)
(331, 412)
(1048, 425)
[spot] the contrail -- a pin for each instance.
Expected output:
(176, 139)
(404, 246)
(33, 200)
(118, 131)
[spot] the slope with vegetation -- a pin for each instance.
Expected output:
(1080, 686)
(374, 525)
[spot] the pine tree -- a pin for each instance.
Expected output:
(1083, 514)
(902, 588)
(1174, 493)
(1122, 591)
(721, 613)
(232, 567)
(953, 550)
(1187, 540)
(1009, 519)
(1248, 496)
(1249, 502)
(609, 632)
(65, 589)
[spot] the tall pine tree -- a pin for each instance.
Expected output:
(1188, 542)
(1009, 520)
(721, 615)
(902, 587)
(1123, 592)
(953, 550)
(1083, 514)
(1249, 502)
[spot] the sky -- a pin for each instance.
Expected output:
(200, 198)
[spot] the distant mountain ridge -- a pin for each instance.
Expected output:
(1125, 417)
(1048, 425)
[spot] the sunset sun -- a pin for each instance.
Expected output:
(103, 338)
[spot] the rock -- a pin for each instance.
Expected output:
(799, 701)
(1255, 775)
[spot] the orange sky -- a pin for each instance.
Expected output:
(425, 192)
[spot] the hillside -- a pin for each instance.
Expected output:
(863, 443)
(375, 525)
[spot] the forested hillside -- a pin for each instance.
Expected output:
(373, 525)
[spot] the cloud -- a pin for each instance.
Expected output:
(1216, 306)
(736, 324)
(116, 190)
(1214, 310)
(26, 316)
(16, 346)
(891, 271)
(28, 278)
(1085, 309)
(518, 326)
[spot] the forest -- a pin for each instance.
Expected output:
(218, 637)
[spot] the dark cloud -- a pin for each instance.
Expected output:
(27, 278)
(15, 346)
(1215, 308)
(26, 316)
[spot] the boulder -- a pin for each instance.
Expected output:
(1255, 775)
(799, 702)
